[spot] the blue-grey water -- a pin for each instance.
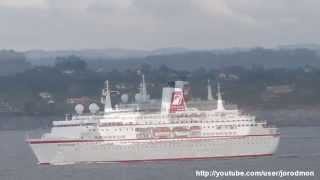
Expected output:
(299, 150)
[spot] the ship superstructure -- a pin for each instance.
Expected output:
(173, 132)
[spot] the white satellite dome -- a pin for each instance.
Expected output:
(138, 98)
(93, 107)
(79, 108)
(124, 98)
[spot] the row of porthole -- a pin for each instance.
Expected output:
(175, 122)
(118, 129)
(217, 127)
(205, 127)
(222, 141)
(230, 126)
(110, 137)
(175, 145)
(219, 134)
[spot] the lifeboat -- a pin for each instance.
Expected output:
(181, 132)
(195, 130)
(142, 129)
(162, 132)
(143, 133)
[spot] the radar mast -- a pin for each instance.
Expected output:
(106, 98)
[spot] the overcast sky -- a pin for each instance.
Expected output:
(149, 24)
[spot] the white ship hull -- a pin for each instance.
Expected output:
(57, 152)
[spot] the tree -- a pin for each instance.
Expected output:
(72, 63)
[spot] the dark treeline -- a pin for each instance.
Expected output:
(252, 86)
(12, 62)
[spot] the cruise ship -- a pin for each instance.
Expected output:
(174, 132)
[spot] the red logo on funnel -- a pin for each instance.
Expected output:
(177, 102)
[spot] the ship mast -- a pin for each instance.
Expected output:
(220, 106)
(144, 90)
(106, 98)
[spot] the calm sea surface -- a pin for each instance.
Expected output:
(299, 150)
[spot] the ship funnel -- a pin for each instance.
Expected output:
(220, 106)
(177, 101)
(185, 86)
(172, 100)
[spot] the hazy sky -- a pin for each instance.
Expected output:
(148, 24)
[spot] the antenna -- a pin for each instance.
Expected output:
(144, 89)
(210, 98)
(143, 95)
(106, 97)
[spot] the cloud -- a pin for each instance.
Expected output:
(23, 4)
(214, 8)
(73, 24)
(102, 6)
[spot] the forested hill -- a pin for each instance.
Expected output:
(262, 57)
(185, 59)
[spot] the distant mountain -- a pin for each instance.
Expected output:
(314, 47)
(258, 57)
(301, 46)
(183, 58)
(167, 51)
(267, 58)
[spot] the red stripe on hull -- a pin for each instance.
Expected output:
(101, 140)
(194, 158)
(175, 159)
